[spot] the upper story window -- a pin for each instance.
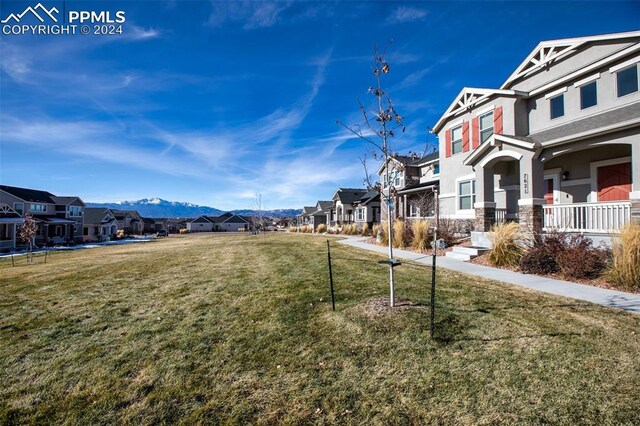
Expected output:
(19, 208)
(627, 80)
(466, 194)
(38, 208)
(75, 211)
(589, 95)
(486, 126)
(557, 106)
(436, 168)
(456, 139)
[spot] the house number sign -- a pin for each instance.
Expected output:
(525, 183)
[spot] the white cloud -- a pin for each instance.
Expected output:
(133, 32)
(251, 14)
(406, 14)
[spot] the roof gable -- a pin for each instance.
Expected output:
(31, 195)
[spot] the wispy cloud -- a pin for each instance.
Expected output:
(251, 14)
(136, 33)
(406, 14)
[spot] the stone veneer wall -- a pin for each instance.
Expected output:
(485, 218)
(530, 218)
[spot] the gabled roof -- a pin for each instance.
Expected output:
(468, 98)
(324, 206)
(65, 200)
(349, 195)
(410, 160)
(234, 218)
(31, 195)
(547, 52)
(307, 210)
(370, 196)
(7, 212)
(96, 214)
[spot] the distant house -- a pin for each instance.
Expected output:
(367, 209)
(58, 219)
(320, 214)
(343, 208)
(304, 218)
(129, 221)
(100, 224)
(227, 222)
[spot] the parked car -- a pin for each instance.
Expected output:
(162, 233)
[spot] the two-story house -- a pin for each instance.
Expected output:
(412, 183)
(557, 146)
(58, 219)
(100, 224)
(343, 205)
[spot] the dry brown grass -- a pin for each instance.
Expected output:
(399, 240)
(624, 269)
(505, 250)
(420, 235)
(365, 230)
(322, 228)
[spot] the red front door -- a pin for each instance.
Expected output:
(548, 191)
(614, 182)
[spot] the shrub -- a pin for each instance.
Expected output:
(447, 231)
(293, 229)
(383, 230)
(322, 228)
(350, 229)
(580, 259)
(539, 260)
(625, 265)
(420, 235)
(505, 250)
(400, 234)
(365, 230)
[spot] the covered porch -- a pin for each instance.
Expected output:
(54, 230)
(10, 221)
(585, 186)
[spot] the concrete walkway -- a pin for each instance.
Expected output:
(601, 296)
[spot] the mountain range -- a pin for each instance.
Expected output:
(156, 207)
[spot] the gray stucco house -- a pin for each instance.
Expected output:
(556, 146)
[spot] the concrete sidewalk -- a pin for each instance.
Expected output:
(601, 296)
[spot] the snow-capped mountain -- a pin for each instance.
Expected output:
(157, 207)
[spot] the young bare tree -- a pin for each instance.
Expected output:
(381, 123)
(258, 208)
(27, 235)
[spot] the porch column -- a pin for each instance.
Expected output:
(405, 207)
(485, 205)
(531, 194)
(634, 196)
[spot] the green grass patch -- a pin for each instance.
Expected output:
(239, 329)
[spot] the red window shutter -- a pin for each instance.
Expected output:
(465, 136)
(475, 133)
(497, 121)
(447, 143)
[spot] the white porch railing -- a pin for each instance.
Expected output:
(601, 218)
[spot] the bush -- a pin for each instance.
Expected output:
(539, 260)
(580, 259)
(350, 229)
(365, 230)
(447, 231)
(322, 228)
(383, 230)
(400, 234)
(505, 250)
(625, 265)
(420, 235)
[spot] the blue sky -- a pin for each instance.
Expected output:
(213, 102)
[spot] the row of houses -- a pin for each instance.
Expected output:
(65, 219)
(555, 147)
(348, 205)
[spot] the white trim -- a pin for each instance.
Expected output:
(484, 205)
(624, 64)
(554, 175)
(448, 195)
(593, 167)
(586, 80)
(503, 153)
(455, 124)
(516, 142)
(634, 195)
(586, 69)
(531, 202)
(510, 187)
(555, 92)
(458, 210)
(575, 182)
(489, 108)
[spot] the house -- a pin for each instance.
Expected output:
(129, 221)
(58, 219)
(320, 214)
(367, 209)
(412, 183)
(100, 224)
(227, 222)
(304, 218)
(343, 209)
(556, 146)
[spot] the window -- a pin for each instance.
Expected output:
(588, 95)
(394, 178)
(627, 80)
(19, 208)
(38, 208)
(360, 213)
(486, 126)
(436, 168)
(456, 140)
(414, 211)
(75, 211)
(85, 231)
(557, 106)
(466, 194)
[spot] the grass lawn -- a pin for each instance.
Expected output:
(239, 329)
